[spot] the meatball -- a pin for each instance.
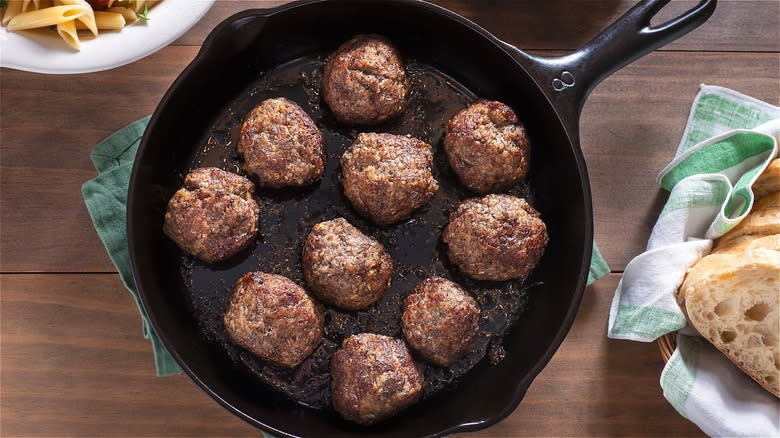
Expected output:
(387, 177)
(281, 146)
(487, 147)
(214, 216)
(373, 377)
(344, 267)
(274, 318)
(440, 321)
(364, 82)
(496, 237)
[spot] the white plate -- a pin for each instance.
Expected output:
(43, 51)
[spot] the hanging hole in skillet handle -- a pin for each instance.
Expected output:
(568, 80)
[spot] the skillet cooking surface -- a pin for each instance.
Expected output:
(232, 60)
(287, 216)
(255, 41)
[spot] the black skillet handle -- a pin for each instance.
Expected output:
(569, 79)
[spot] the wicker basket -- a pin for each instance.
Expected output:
(667, 343)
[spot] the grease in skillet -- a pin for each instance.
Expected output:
(290, 213)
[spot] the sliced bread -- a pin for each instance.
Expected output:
(764, 219)
(748, 242)
(733, 299)
(769, 181)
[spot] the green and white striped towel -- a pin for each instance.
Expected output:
(729, 140)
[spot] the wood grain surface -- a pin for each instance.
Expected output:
(567, 24)
(72, 358)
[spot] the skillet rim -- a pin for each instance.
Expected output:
(521, 385)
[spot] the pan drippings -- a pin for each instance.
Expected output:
(287, 216)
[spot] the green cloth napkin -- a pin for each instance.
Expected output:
(106, 199)
(598, 266)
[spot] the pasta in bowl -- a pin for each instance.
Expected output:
(79, 36)
(67, 17)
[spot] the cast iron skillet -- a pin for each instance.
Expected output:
(548, 94)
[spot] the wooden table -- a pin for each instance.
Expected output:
(73, 359)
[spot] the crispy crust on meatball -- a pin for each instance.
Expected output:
(387, 177)
(364, 81)
(487, 147)
(373, 377)
(281, 146)
(344, 267)
(496, 237)
(214, 216)
(274, 318)
(440, 321)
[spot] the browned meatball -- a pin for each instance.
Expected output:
(387, 177)
(364, 82)
(487, 147)
(440, 321)
(274, 318)
(344, 267)
(373, 377)
(214, 216)
(497, 237)
(281, 146)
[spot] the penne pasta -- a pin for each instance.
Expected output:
(88, 19)
(30, 5)
(109, 20)
(13, 9)
(129, 14)
(68, 17)
(106, 21)
(45, 17)
(67, 32)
